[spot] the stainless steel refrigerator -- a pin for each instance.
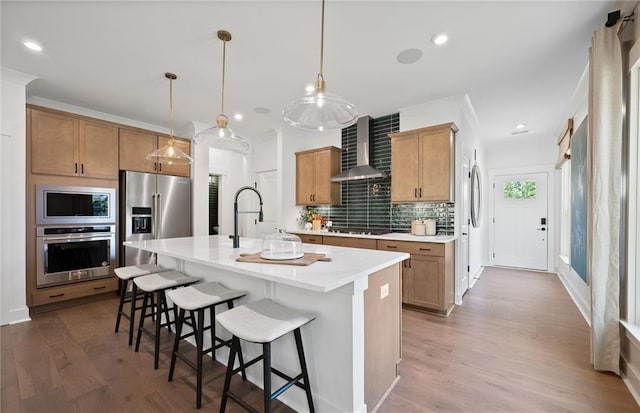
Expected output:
(151, 207)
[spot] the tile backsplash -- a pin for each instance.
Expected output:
(367, 203)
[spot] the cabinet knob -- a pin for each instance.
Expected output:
(56, 295)
(420, 193)
(82, 168)
(100, 288)
(392, 246)
(76, 167)
(310, 197)
(415, 192)
(425, 249)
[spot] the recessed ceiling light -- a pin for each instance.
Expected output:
(262, 110)
(439, 39)
(32, 46)
(237, 116)
(521, 126)
(310, 88)
(409, 56)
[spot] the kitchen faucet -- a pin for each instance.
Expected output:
(235, 236)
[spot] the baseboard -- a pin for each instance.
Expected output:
(476, 276)
(578, 290)
(384, 396)
(19, 315)
(630, 376)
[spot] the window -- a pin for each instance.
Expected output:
(519, 189)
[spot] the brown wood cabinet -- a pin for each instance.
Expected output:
(428, 276)
(72, 291)
(367, 243)
(422, 164)
(135, 145)
(314, 169)
(66, 145)
(311, 239)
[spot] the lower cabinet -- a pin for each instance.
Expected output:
(428, 276)
(311, 239)
(71, 291)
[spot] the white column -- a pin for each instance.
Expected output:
(13, 138)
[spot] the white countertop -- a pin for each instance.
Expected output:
(347, 265)
(395, 236)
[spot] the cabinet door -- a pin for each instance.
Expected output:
(427, 283)
(134, 147)
(406, 282)
(166, 168)
(326, 165)
(435, 164)
(53, 144)
(404, 168)
(98, 150)
(305, 178)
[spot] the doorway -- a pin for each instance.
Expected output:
(465, 221)
(214, 196)
(267, 184)
(520, 221)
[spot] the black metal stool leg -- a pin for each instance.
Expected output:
(123, 293)
(266, 368)
(214, 342)
(240, 358)
(235, 344)
(303, 366)
(143, 314)
(132, 310)
(199, 329)
(176, 342)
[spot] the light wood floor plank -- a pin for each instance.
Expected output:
(518, 344)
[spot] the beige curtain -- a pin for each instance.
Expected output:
(604, 155)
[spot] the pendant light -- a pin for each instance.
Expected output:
(170, 154)
(320, 110)
(222, 136)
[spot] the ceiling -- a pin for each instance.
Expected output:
(517, 61)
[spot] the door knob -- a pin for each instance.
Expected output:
(542, 229)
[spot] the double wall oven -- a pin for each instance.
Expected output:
(75, 234)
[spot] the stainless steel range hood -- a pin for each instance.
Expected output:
(363, 170)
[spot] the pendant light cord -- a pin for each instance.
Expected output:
(224, 60)
(322, 41)
(170, 109)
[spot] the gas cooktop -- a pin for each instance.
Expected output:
(360, 231)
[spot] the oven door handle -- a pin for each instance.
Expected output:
(85, 237)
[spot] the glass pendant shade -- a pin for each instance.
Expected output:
(320, 110)
(221, 136)
(170, 154)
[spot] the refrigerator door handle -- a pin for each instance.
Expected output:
(158, 215)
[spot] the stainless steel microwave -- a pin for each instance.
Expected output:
(72, 205)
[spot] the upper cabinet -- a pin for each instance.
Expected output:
(135, 145)
(314, 169)
(422, 164)
(65, 145)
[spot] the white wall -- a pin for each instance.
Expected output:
(293, 140)
(457, 109)
(13, 289)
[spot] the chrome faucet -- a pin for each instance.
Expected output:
(235, 236)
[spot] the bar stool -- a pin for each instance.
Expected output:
(263, 322)
(197, 299)
(157, 284)
(125, 275)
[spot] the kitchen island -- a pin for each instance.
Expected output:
(353, 345)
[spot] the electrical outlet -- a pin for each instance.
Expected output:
(384, 291)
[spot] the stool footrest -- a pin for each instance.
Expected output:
(247, 364)
(290, 380)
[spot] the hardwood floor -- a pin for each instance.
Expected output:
(518, 344)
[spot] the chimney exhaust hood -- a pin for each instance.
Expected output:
(363, 170)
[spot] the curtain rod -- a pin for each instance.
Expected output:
(614, 16)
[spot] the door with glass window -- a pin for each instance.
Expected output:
(520, 221)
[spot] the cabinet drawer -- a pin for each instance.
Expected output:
(311, 239)
(366, 243)
(413, 248)
(69, 292)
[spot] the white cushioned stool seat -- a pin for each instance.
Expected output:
(132, 271)
(162, 281)
(262, 321)
(204, 295)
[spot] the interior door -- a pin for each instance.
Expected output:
(520, 221)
